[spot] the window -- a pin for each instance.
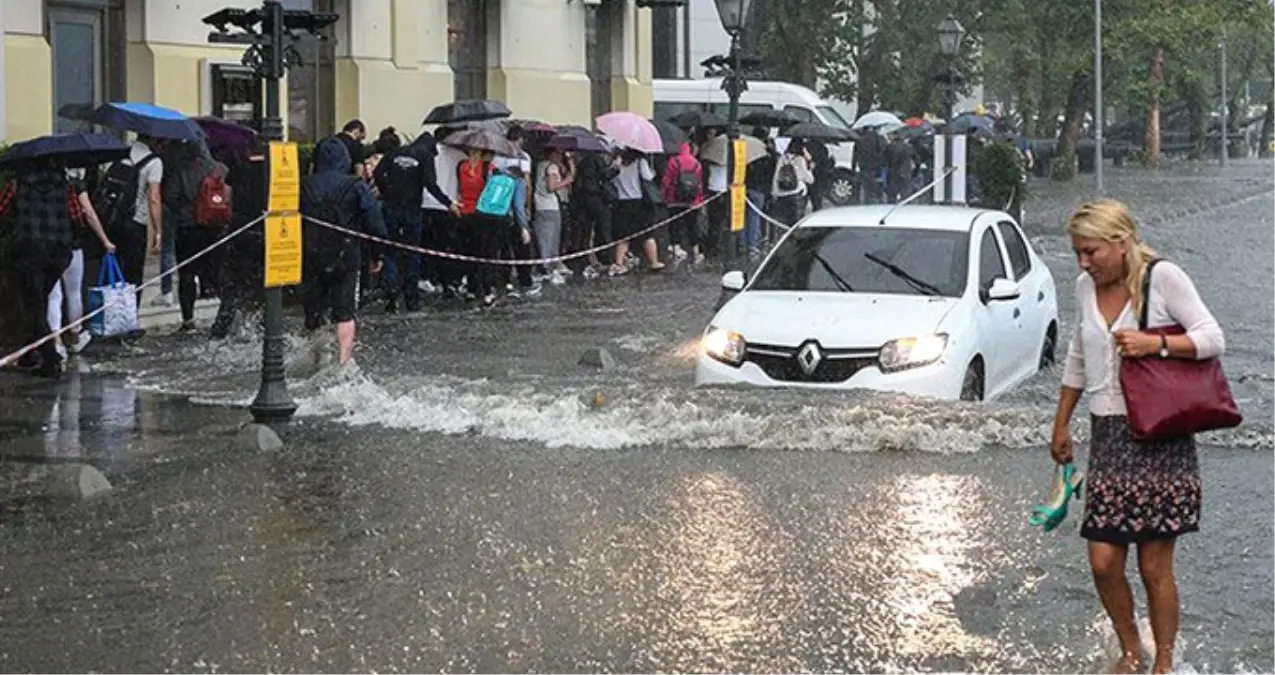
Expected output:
(830, 259)
(666, 111)
(801, 112)
(990, 264)
(1019, 258)
(833, 118)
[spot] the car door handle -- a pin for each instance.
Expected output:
(1040, 296)
(1017, 312)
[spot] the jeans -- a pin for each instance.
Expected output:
(167, 257)
(752, 219)
(401, 273)
(548, 228)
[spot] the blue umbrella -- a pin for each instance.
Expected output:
(148, 119)
(70, 150)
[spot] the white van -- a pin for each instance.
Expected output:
(675, 96)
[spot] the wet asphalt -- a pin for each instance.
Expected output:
(468, 502)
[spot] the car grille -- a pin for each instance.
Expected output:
(781, 363)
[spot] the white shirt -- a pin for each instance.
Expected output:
(804, 177)
(151, 174)
(1093, 364)
(628, 184)
(545, 199)
(445, 163)
(506, 163)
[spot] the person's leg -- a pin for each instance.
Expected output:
(1107, 562)
(167, 259)
(131, 249)
(1155, 563)
(73, 284)
(345, 341)
(343, 298)
(411, 271)
(187, 246)
(390, 277)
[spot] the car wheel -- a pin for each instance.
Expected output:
(972, 387)
(1047, 350)
(841, 190)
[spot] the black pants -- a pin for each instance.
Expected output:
(38, 266)
(718, 225)
(484, 237)
(130, 248)
(787, 210)
(685, 230)
(330, 288)
(190, 241)
(590, 223)
(520, 251)
(440, 231)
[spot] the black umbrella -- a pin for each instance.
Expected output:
(576, 143)
(671, 135)
(817, 131)
(770, 118)
(697, 119)
(79, 112)
(468, 111)
(70, 150)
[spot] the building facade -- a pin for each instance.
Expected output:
(388, 62)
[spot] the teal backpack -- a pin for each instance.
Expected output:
(498, 195)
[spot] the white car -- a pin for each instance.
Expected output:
(942, 301)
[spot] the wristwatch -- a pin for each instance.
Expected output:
(1164, 346)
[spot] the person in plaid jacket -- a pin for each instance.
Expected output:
(45, 204)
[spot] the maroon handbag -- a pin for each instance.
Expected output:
(1167, 398)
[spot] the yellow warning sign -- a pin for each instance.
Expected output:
(738, 202)
(283, 250)
(741, 162)
(285, 177)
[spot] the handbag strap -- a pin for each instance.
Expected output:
(1146, 295)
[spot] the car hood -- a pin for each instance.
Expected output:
(836, 320)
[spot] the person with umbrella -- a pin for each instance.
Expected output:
(630, 211)
(792, 180)
(757, 183)
(900, 159)
(554, 176)
(45, 205)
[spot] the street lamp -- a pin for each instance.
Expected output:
(734, 16)
(270, 34)
(950, 35)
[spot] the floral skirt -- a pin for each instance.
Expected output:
(1139, 491)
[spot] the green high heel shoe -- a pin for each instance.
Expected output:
(1068, 482)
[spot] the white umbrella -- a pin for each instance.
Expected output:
(879, 118)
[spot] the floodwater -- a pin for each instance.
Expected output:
(470, 499)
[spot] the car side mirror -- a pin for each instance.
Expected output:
(733, 281)
(1003, 289)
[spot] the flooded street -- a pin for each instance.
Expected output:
(472, 499)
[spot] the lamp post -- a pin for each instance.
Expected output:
(1098, 120)
(270, 34)
(1226, 111)
(950, 35)
(734, 16)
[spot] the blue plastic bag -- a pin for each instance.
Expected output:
(119, 299)
(498, 195)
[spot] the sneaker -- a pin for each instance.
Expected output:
(679, 253)
(391, 306)
(163, 300)
(489, 300)
(82, 340)
(532, 290)
(187, 327)
(427, 287)
(513, 293)
(618, 270)
(592, 272)
(557, 279)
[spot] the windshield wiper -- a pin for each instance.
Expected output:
(841, 283)
(922, 287)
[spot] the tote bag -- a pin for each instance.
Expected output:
(116, 298)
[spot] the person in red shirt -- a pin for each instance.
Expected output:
(682, 195)
(482, 234)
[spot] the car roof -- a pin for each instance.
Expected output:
(948, 218)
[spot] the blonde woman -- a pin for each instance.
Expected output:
(1140, 493)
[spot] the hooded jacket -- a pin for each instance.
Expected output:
(684, 160)
(331, 174)
(417, 173)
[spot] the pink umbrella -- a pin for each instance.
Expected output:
(631, 130)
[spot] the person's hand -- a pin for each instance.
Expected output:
(526, 236)
(1134, 344)
(455, 209)
(1061, 447)
(108, 245)
(376, 267)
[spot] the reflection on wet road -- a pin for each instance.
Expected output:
(460, 505)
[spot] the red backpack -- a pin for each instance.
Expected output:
(214, 204)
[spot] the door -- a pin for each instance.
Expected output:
(1035, 299)
(75, 40)
(999, 320)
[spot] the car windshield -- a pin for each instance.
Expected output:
(833, 118)
(850, 260)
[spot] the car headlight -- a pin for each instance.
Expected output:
(912, 352)
(724, 345)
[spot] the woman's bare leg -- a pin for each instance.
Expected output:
(1107, 563)
(1155, 563)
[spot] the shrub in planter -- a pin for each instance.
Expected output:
(999, 169)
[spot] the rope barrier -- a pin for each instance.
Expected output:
(13, 357)
(511, 263)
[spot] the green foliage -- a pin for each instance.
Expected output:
(999, 168)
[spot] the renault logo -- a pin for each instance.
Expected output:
(809, 358)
